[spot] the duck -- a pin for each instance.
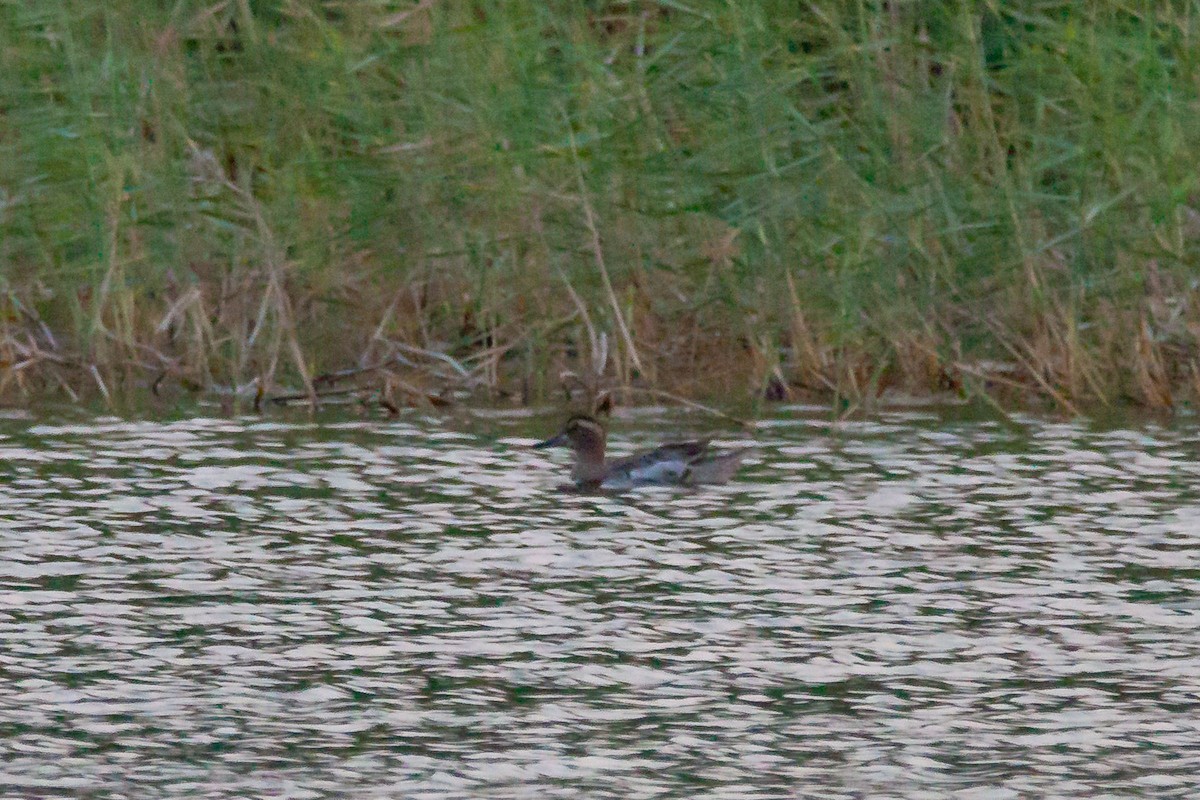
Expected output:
(671, 464)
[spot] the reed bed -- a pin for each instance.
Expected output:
(417, 202)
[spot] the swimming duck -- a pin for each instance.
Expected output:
(674, 463)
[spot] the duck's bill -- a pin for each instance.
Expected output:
(553, 441)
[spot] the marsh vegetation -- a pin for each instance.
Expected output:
(412, 201)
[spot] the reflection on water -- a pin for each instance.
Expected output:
(906, 607)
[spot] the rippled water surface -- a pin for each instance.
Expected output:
(911, 606)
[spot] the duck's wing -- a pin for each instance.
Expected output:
(685, 450)
(681, 452)
(664, 464)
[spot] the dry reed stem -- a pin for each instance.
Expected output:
(598, 252)
(384, 319)
(1079, 363)
(803, 339)
(285, 319)
(1150, 371)
(597, 343)
(100, 383)
(1030, 369)
(968, 371)
(435, 355)
(665, 395)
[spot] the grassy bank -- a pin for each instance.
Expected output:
(407, 199)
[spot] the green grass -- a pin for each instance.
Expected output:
(833, 197)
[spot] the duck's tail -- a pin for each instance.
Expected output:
(717, 467)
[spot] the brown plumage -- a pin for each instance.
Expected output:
(678, 463)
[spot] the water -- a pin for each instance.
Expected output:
(907, 607)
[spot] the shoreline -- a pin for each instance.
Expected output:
(414, 378)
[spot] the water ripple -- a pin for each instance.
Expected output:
(907, 606)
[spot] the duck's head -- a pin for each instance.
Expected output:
(582, 433)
